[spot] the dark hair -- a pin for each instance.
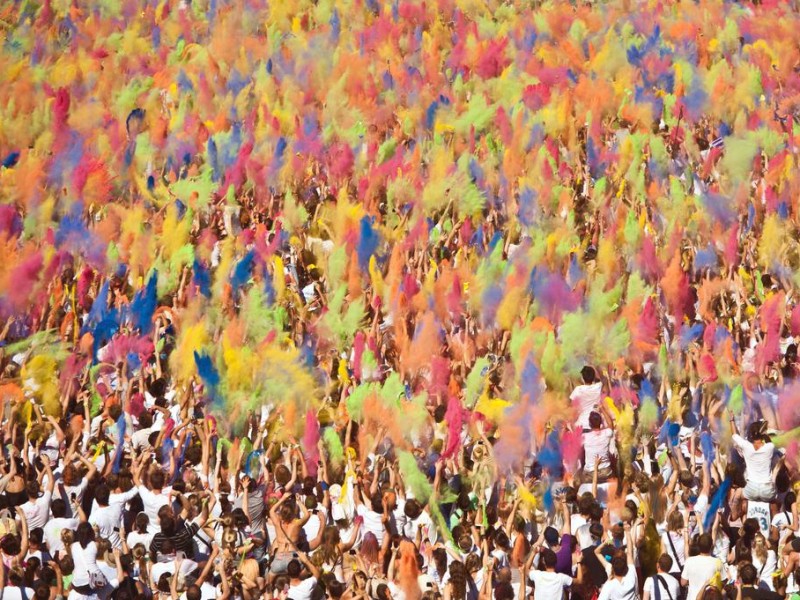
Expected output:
(588, 374)
(32, 488)
(84, 534)
(382, 591)
(59, 508)
(36, 535)
(705, 543)
(748, 574)
(101, 494)
(141, 522)
(619, 565)
(193, 592)
(294, 568)
(504, 591)
(596, 530)
(595, 420)
(167, 523)
(376, 503)
(157, 480)
(549, 558)
(665, 562)
(412, 508)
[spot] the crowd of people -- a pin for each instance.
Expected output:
(416, 301)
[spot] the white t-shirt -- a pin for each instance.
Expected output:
(549, 585)
(697, 571)
(678, 556)
(766, 569)
(782, 521)
(586, 398)
(15, 593)
(158, 569)
(758, 463)
(85, 560)
(37, 511)
(673, 586)
(207, 592)
(598, 446)
(52, 532)
(152, 503)
(134, 537)
(373, 522)
(303, 590)
(624, 589)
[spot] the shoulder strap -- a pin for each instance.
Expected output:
(674, 552)
(656, 587)
(666, 587)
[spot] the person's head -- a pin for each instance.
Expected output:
(376, 503)
(704, 543)
(750, 528)
(32, 489)
(287, 512)
(748, 574)
(369, 547)
(549, 559)
(167, 524)
(382, 592)
(41, 591)
(596, 531)
(240, 519)
(67, 564)
(157, 480)
(59, 508)
(16, 576)
(163, 583)
(760, 546)
(551, 536)
(70, 475)
(588, 374)
(595, 420)
(282, 475)
(619, 566)
(141, 522)
(585, 503)
(742, 551)
(101, 494)
(501, 540)
(756, 433)
(84, 534)
(193, 592)
(412, 509)
(664, 563)
(334, 589)
(675, 521)
(504, 591)
(35, 537)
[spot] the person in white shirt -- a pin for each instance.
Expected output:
(757, 452)
(153, 497)
(37, 508)
(15, 589)
(301, 589)
(72, 486)
(622, 583)
(599, 447)
(702, 568)
(59, 522)
(106, 517)
(662, 585)
(548, 584)
(587, 397)
(375, 516)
